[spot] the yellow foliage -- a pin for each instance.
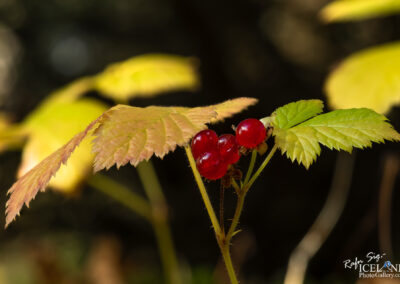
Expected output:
(347, 10)
(370, 78)
(147, 75)
(51, 127)
(70, 92)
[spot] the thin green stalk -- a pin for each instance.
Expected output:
(152, 187)
(224, 241)
(221, 208)
(251, 166)
(226, 254)
(236, 217)
(167, 251)
(162, 231)
(241, 198)
(121, 194)
(235, 186)
(261, 168)
(225, 245)
(242, 195)
(324, 223)
(203, 192)
(214, 221)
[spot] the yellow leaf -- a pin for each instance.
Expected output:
(143, 75)
(4, 125)
(120, 139)
(347, 10)
(70, 92)
(4, 121)
(370, 79)
(146, 76)
(51, 127)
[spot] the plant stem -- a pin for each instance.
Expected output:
(162, 231)
(324, 223)
(154, 214)
(221, 208)
(224, 241)
(236, 217)
(240, 202)
(242, 195)
(167, 251)
(217, 229)
(235, 186)
(151, 184)
(226, 255)
(390, 172)
(203, 192)
(121, 194)
(251, 166)
(247, 186)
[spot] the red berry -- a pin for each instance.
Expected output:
(250, 133)
(203, 141)
(211, 166)
(228, 148)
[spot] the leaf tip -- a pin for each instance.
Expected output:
(230, 107)
(325, 15)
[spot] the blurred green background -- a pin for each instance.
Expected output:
(275, 50)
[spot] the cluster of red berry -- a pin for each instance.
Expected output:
(214, 154)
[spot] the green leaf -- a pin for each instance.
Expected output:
(296, 112)
(299, 144)
(49, 128)
(353, 10)
(339, 130)
(146, 76)
(370, 78)
(348, 128)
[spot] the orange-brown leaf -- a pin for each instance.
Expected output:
(231, 107)
(26, 188)
(133, 134)
(124, 134)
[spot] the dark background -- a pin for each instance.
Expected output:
(277, 51)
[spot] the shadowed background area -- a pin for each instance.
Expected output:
(275, 50)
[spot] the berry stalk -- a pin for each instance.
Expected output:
(203, 192)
